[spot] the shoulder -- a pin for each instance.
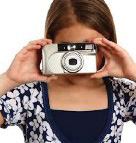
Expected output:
(35, 92)
(28, 88)
(123, 84)
(22, 95)
(124, 88)
(15, 105)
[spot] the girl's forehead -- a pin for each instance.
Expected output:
(76, 33)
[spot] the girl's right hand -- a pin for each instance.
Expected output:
(25, 67)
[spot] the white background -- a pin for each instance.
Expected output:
(23, 21)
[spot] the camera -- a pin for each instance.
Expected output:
(69, 58)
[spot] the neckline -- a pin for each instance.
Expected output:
(53, 125)
(78, 111)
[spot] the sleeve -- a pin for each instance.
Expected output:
(129, 90)
(14, 105)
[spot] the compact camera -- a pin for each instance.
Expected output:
(69, 58)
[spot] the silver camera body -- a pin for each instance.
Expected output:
(69, 58)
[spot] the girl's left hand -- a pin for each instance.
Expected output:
(118, 62)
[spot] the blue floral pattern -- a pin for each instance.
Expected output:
(24, 106)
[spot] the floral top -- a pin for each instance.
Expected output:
(27, 106)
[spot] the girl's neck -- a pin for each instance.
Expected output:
(78, 81)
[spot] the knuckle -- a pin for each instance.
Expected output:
(41, 39)
(124, 51)
(31, 42)
(16, 55)
(25, 47)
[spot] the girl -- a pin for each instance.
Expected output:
(89, 108)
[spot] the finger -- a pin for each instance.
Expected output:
(33, 47)
(44, 39)
(40, 42)
(52, 77)
(94, 40)
(102, 72)
(106, 52)
(48, 40)
(49, 80)
(45, 78)
(98, 41)
(91, 39)
(28, 48)
(111, 44)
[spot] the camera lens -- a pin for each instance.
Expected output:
(72, 62)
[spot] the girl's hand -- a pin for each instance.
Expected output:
(118, 62)
(25, 67)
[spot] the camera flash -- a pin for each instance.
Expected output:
(71, 47)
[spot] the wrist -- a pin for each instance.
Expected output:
(6, 84)
(8, 80)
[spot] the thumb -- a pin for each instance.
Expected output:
(45, 78)
(99, 74)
